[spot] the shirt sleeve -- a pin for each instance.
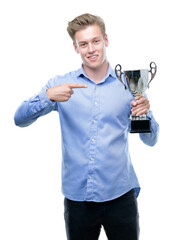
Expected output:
(151, 139)
(33, 108)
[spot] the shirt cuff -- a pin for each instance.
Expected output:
(45, 101)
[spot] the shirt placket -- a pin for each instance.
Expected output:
(93, 144)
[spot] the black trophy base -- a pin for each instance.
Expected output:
(140, 126)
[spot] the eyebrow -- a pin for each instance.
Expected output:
(91, 40)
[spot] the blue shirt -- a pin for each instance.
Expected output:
(96, 164)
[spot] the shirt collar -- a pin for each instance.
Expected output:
(110, 72)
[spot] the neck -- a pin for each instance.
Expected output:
(97, 74)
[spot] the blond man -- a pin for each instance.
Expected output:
(98, 179)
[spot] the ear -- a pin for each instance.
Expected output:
(75, 47)
(106, 40)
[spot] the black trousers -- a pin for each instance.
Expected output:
(119, 218)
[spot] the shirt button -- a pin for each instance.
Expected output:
(95, 103)
(90, 177)
(92, 139)
(91, 159)
(94, 121)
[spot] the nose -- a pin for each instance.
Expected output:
(91, 48)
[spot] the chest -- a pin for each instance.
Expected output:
(107, 101)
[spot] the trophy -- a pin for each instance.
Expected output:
(137, 82)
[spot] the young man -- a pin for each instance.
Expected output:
(98, 179)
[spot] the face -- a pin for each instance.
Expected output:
(91, 45)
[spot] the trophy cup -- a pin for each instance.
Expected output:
(137, 82)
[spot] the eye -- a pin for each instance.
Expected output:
(82, 45)
(97, 41)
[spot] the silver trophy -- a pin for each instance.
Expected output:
(137, 82)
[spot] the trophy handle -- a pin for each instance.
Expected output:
(153, 70)
(119, 74)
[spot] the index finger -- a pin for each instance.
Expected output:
(140, 99)
(137, 98)
(78, 85)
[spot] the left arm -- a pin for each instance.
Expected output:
(142, 106)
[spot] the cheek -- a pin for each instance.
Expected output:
(82, 52)
(102, 48)
(103, 51)
(83, 56)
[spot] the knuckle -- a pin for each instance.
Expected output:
(67, 95)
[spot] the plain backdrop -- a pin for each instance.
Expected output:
(34, 46)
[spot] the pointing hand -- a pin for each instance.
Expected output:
(63, 92)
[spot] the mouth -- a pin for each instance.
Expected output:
(93, 57)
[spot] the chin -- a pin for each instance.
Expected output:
(94, 65)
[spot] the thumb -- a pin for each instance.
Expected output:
(133, 103)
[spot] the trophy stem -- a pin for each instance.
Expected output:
(136, 93)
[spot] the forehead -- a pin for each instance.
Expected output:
(88, 33)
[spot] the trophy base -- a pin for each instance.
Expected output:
(140, 126)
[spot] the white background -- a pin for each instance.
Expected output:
(35, 47)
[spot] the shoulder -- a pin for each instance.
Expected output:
(66, 78)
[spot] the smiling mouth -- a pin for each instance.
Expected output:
(92, 58)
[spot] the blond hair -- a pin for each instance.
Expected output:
(83, 21)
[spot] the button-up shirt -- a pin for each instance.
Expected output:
(96, 164)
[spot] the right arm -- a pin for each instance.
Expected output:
(33, 108)
(43, 103)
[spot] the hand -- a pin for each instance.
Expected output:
(63, 92)
(140, 106)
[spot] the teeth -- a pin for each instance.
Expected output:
(92, 57)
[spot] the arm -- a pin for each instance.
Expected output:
(39, 105)
(44, 102)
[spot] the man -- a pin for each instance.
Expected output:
(98, 179)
